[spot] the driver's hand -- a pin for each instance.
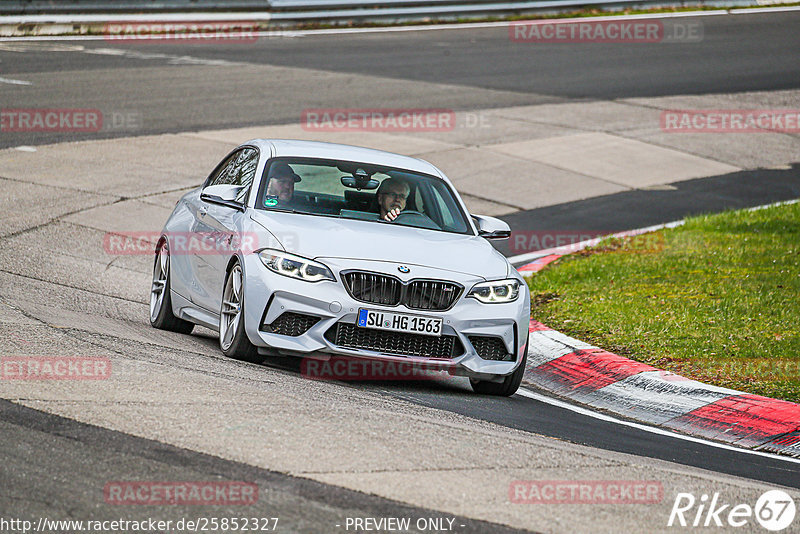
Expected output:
(392, 214)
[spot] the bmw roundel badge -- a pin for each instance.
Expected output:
(403, 269)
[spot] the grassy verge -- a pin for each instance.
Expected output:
(717, 299)
(566, 13)
(545, 15)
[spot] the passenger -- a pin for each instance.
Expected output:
(281, 182)
(392, 196)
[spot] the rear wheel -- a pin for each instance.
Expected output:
(507, 387)
(232, 338)
(161, 315)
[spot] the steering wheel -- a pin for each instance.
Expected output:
(416, 218)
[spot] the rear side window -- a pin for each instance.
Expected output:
(239, 169)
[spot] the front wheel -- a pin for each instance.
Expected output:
(507, 387)
(161, 315)
(232, 338)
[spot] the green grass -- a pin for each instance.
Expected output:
(717, 299)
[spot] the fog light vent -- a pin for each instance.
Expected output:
(491, 348)
(291, 324)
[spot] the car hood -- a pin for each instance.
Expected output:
(319, 237)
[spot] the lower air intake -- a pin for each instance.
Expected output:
(351, 336)
(491, 348)
(291, 324)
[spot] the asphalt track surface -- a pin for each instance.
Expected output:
(43, 445)
(757, 52)
(642, 208)
(473, 69)
(533, 416)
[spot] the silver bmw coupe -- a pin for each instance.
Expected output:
(321, 250)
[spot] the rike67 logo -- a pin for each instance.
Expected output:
(774, 510)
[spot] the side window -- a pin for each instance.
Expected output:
(247, 161)
(239, 169)
(220, 176)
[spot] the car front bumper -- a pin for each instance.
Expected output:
(268, 296)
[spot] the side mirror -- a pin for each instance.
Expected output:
(491, 228)
(223, 194)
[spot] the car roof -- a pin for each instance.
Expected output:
(320, 149)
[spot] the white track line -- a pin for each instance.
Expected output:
(654, 430)
(14, 82)
(782, 203)
(575, 247)
(566, 250)
(744, 11)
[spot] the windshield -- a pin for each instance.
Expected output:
(361, 191)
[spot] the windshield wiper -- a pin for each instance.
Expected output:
(286, 210)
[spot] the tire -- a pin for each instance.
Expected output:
(507, 387)
(161, 315)
(232, 338)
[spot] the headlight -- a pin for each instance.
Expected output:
(294, 266)
(496, 292)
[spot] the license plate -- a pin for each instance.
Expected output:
(400, 322)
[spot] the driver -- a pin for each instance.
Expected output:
(392, 196)
(281, 181)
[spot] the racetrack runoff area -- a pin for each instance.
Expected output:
(64, 294)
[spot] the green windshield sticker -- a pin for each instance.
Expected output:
(271, 201)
